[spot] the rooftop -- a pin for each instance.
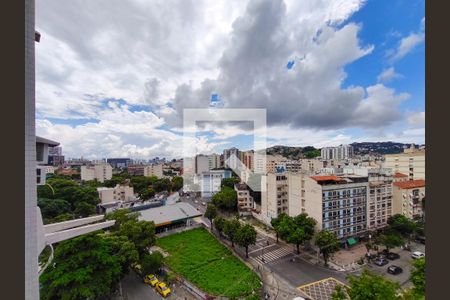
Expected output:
(411, 184)
(42, 140)
(400, 175)
(167, 214)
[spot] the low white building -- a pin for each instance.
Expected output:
(118, 193)
(100, 172)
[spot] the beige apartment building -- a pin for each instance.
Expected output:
(99, 172)
(311, 166)
(146, 170)
(380, 199)
(411, 162)
(245, 200)
(118, 193)
(275, 200)
(408, 197)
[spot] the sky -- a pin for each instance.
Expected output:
(113, 77)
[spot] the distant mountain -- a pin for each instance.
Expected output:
(293, 152)
(380, 147)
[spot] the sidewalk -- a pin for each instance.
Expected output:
(312, 258)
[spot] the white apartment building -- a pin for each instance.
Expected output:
(408, 197)
(245, 200)
(339, 152)
(210, 181)
(411, 162)
(118, 193)
(100, 172)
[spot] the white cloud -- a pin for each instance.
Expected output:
(388, 74)
(408, 43)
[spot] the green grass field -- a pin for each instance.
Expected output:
(201, 259)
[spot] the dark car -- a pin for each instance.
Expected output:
(380, 261)
(394, 270)
(392, 256)
(420, 239)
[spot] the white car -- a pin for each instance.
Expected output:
(204, 203)
(417, 254)
(196, 201)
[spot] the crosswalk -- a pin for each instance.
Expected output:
(273, 255)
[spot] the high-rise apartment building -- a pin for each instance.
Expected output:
(380, 198)
(411, 162)
(201, 164)
(214, 161)
(339, 152)
(233, 154)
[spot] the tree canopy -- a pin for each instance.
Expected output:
(226, 199)
(211, 213)
(246, 236)
(328, 243)
(418, 276)
(369, 286)
(230, 229)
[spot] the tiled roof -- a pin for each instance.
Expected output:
(326, 178)
(411, 184)
(400, 175)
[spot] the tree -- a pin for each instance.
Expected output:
(226, 199)
(246, 236)
(151, 263)
(83, 267)
(312, 153)
(339, 293)
(219, 223)
(63, 217)
(83, 209)
(146, 193)
(369, 286)
(229, 182)
(296, 230)
(230, 229)
(162, 184)
(177, 183)
(124, 249)
(390, 239)
(51, 208)
(275, 222)
(402, 225)
(211, 213)
(141, 233)
(121, 216)
(418, 276)
(327, 243)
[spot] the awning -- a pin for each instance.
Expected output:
(351, 241)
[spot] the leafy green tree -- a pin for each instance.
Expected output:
(84, 267)
(339, 293)
(275, 222)
(177, 183)
(229, 182)
(226, 199)
(219, 223)
(312, 153)
(390, 239)
(369, 286)
(121, 216)
(327, 243)
(418, 276)
(124, 249)
(141, 233)
(230, 229)
(246, 236)
(84, 209)
(146, 193)
(141, 183)
(211, 213)
(162, 184)
(402, 224)
(151, 263)
(115, 180)
(51, 208)
(63, 217)
(296, 230)
(45, 192)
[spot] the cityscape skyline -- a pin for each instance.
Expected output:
(120, 87)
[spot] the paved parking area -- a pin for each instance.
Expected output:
(403, 262)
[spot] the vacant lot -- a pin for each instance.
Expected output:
(201, 259)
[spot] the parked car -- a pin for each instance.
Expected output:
(417, 254)
(204, 203)
(380, 261)
(394, 270)
(392, 256)
(151, 280)
(420, 239)
(163, 289)
(196, 201)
